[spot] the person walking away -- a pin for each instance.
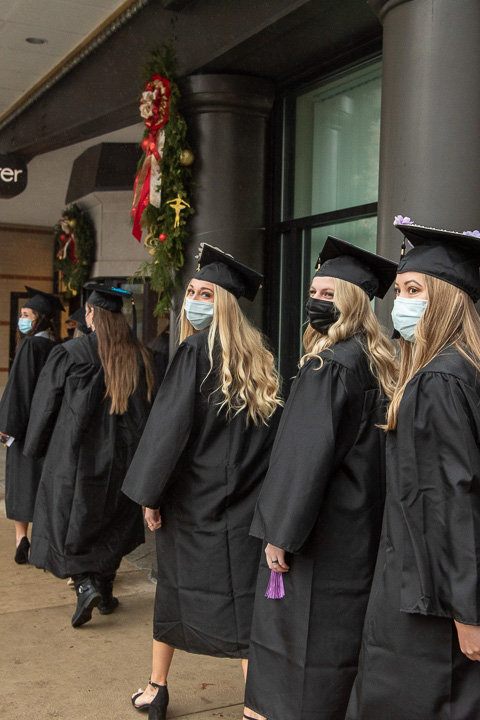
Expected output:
(88, 412)
(37, 335)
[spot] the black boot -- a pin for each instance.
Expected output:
(108, 603)
(158, 707)
(21, 554)
(88, 597)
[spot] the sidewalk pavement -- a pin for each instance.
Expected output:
(51, 670)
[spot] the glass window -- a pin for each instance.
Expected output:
(330, 146)
(361, 232)
(337, 141)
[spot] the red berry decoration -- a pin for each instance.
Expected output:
(162, 237)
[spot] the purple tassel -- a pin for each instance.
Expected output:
(275, 589)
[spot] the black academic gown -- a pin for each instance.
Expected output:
(322, 501)
(22, 473)
(160, 351)
(82, 522)
(204, 473)
(427, 572)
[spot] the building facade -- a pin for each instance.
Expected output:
(306, 117)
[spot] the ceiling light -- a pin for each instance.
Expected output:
(36, 41)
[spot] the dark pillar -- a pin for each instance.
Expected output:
(227, 119)
(430, 128)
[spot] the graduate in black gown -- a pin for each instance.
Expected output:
(320, 508)
(37, 335)
(201, 460)
(88, 412)
(421, 644)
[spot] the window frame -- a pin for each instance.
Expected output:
(287, 259)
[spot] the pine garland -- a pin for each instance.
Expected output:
(74, 249)
(167, 242)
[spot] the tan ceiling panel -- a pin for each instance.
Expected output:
(14, 49)
(7, 98)
(58, 14)
(11, 80)
(64, 24)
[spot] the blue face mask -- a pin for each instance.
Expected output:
(24, 325)
(405, 315)
(199, 313)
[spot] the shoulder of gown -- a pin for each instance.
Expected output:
(83, 349)
(451, 362)
(351, 355)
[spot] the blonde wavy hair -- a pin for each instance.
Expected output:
(356, 316)
(245, 367)
(450, 318)
(120, 356)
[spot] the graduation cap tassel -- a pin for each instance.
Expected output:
(134, 320)
(275, 589)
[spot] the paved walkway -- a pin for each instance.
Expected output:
(50, 670)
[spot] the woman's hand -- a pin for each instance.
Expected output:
(276, 559)
(153, 519)
(469, 640)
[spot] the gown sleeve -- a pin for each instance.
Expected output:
(46, 402)
(439, 492)
(166, 433)
(18, 394)
(318, 426)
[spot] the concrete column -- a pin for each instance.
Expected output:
(430, 126)
(227, 119)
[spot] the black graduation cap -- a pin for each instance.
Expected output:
(217, 267)
(372, 273)
(79, 317)
(450, 256)
(107, 297)
(42, 302)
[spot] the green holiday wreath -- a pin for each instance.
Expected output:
(74, 249)
(161, 203)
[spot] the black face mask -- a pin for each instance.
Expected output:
(321, 314)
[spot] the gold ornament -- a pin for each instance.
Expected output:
(178, 205)
(186, 157)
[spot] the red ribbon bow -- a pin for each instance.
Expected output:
(158, 118)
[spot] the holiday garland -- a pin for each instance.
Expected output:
(161, 194)
(74, 248)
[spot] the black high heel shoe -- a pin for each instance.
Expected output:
(159, 704)
(21, 553)
(145, 706)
